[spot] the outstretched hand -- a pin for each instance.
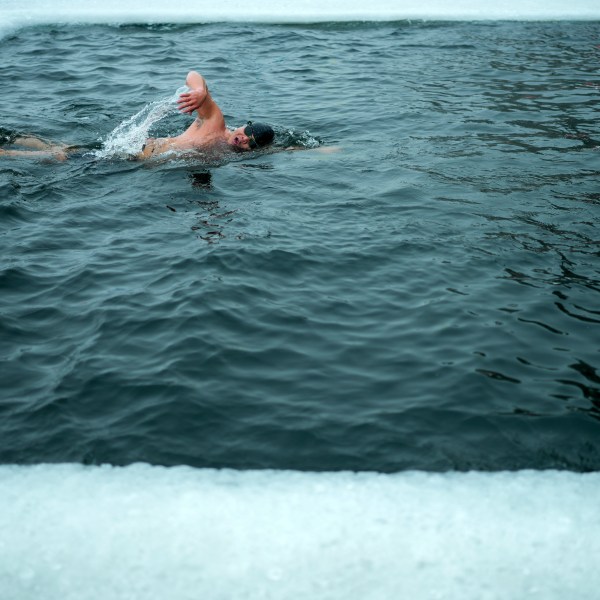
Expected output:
(190, 101)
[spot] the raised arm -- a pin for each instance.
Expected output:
(198, 98)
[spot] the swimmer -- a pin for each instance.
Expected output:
(207, 131)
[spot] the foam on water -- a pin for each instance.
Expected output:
(17, 13)
(88, 533)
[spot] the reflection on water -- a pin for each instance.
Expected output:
(210, 219)
(201, 180)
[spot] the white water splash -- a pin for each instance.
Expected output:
(127, 139)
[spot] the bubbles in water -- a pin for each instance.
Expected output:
(129, 136)
(7, 136)
(290, 137)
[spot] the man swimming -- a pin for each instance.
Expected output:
(207, 131)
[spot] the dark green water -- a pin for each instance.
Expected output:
(426, 298)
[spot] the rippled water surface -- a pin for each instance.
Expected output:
(428, 297)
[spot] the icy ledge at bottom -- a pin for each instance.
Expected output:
(71, 532)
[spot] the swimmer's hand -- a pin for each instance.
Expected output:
(319, 149)
(190, 101)
(328, 149)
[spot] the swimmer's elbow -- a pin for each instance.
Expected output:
(192, 76)
(195, 81)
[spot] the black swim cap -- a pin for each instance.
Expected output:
(259, 134)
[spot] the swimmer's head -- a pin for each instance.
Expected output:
(259, 134)
(251, 136)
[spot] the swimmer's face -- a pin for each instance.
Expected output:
(239, 140)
